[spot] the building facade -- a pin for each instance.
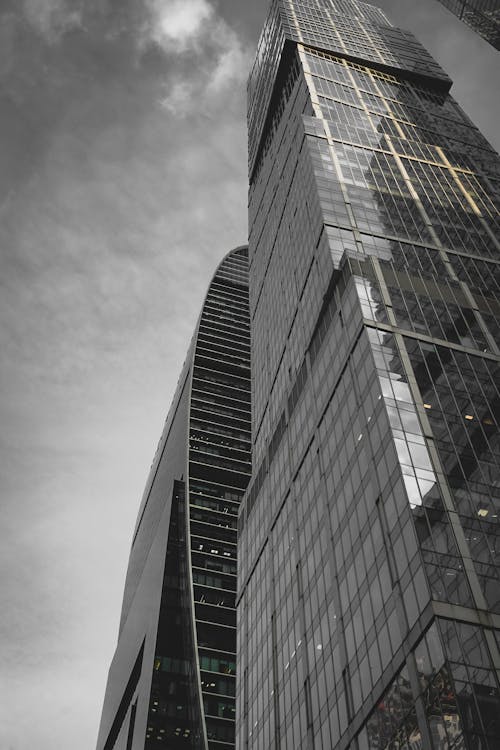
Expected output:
(481, 15)
(368, 578)
(172, 680)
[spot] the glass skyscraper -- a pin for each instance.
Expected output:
(172, 680)
(481, 15)
(368, 579)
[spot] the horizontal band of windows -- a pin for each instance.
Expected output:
(240, 449)
(213, 563)
(208, 544)
(222, 399)
(218, 685)
(224, 608)
(214, 507)
(241, 399)
(220, 448)
(215, 418)
(238, 433)
(217, 599)
(222, 311)
(217, 457)
(238, 369)
(213, 530)
(219, 286)
(202, 539)
(234, 282)
(223, 491)
(222, 340)
(199, 445)
(217, 314)
(216, 623)
(202, 575)
(213, 334)
(203, 350)
(223, 680)
(240, 306)
(240, 335)
(235, 277)
(219, 718)
(225, 360)
(217, 365)
(236, 293)
(214, 695)
(218, 306)
(224, 441)
(222, 285)
(212, 407)
(219, 512)
(224, 323)
(214, 636)
(220, 519)
(224, 280)
(210, 547)
(232, 270)
(221, 377)
(223, 345)
(214, 589)
(237, 395)
(216, 651)
(199, 467)
(246, 405)
(219, 734)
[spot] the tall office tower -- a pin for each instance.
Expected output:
(368, 580)
(481, 15)
(172, 680)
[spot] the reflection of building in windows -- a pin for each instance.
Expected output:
(180, 592)
(369, 587)
(481, 15)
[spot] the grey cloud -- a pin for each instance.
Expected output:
(114, 221)
(53, 18)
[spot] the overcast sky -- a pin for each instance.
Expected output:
(122, 184)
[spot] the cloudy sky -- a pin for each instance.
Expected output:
(122, 184)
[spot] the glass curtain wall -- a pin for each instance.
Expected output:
(172, 680)
(368, 591)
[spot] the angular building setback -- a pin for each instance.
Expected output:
(172, 680)
(368, 578)
(481, 15)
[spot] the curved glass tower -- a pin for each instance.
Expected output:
(172, 680)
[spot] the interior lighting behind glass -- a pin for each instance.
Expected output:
(469, 416)
(427, 406)
(483, 512)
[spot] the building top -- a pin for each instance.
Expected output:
(346, 28)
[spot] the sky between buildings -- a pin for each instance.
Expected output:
(122, 184)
